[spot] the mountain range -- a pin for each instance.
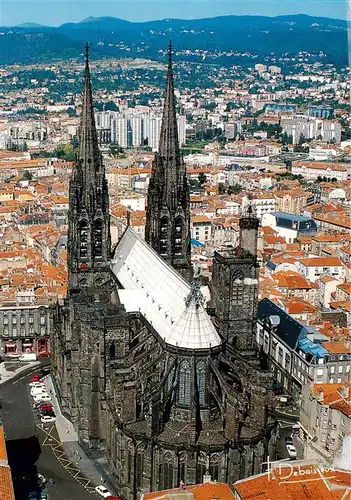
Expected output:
(113, 37)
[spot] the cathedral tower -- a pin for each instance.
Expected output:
(234, 287)
(168, 204)
(89, 242)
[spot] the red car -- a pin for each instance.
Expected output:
(46, 408)
(44, 354)
(35, 378)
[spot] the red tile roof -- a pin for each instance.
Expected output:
(206, 491)
(295, 483)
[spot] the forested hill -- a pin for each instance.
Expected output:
(222, 37)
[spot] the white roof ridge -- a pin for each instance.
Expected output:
(162, 296)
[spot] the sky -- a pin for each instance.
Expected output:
(56, 12)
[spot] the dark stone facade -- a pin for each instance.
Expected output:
(161, 414)
(167, 227)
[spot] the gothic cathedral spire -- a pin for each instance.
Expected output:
(89, 242)
(167, 227)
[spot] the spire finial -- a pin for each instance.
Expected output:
(195, 294)
(86, 53)
(170, 52)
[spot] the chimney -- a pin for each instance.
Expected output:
(320, 394)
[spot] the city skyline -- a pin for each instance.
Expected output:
(54, 13)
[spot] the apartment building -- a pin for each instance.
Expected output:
(290, 226)
(299, 354)
(325, 414)
(292, 201)
(315, 268)
(200, 228)
(312, 170)
(24, 329)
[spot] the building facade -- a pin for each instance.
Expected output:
(24, 329)
(170, 392)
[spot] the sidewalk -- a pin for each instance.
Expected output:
(6, 375)
(94, 469)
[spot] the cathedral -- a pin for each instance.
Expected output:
(155, 371)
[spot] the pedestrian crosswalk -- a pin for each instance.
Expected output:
(51, 439)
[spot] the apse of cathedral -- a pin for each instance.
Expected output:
(164, 381)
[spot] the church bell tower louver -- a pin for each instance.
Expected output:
(89, 241)
(168, 202)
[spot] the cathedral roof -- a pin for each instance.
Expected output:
(163, 297)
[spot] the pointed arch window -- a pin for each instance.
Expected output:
(164, 235)
(167, 472)
(97, 235)
(201, 467)
(170, 379)
(184, 383)
(214, 467)
(83, 240)
(139, 469)
(112, 350)
(200, 380)
(182, 467)
(178, 236)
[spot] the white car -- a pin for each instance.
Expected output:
(291, 451)
(47, 419)
(38, 383)
(37, 390)
(42, 396)
(102, 491)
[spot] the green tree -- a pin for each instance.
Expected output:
(235, 189)
(222, 188)
(202, 178)
(27, 176)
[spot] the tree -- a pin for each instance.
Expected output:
(27, 176)
(221, 188)
(202, 178)
(115, 149)
(71, 112)
(235, 189)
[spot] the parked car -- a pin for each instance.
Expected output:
(102, 491)
(44, 354)
(33, 495)
(35, 378)
(42, 397)
(288, 440)
(291, 451)
(46, 419)
(37, 386)
(41, 479)
(37, 389)
(45, 407)
(37, 404)
(47, 413)
(28, 357)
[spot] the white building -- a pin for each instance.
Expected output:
(313, 171)
(200, 228)
(119, 131)
(290, 226)
(136, 203)
(315, 268)
(262, 204)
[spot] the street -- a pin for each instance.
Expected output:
(285, 430)
(30, 449)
